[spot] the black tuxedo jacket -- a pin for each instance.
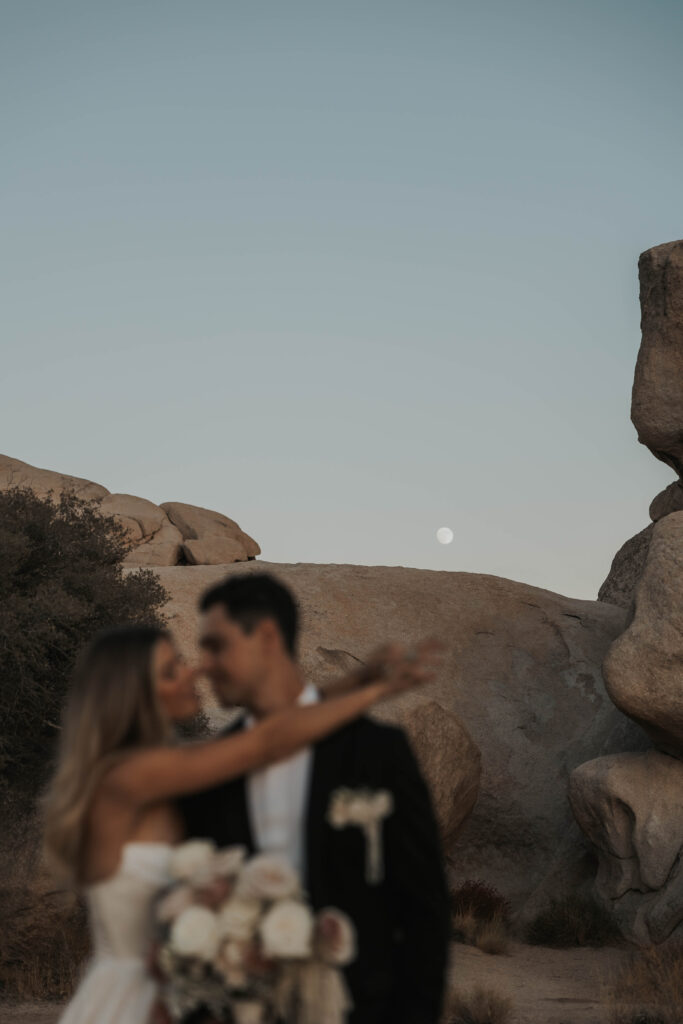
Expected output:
(402, 923)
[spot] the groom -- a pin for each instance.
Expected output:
(399, 906)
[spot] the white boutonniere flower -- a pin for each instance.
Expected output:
(366, 809)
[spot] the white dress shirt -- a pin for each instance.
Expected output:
(277, 798)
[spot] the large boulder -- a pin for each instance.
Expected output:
(667, 501)
(156, 540)
(657, 398)
(630, 808)
(210, 538)
(643, 666)
(626, 570)
(449, 759)
(522, 674)
(14, 473)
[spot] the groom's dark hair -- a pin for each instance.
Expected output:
(250, 597)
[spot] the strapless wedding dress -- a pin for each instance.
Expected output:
(116, 987)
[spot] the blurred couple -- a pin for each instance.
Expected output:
(124, 794)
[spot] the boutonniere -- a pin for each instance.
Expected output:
(366, 809)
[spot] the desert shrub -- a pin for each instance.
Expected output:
(573, 921)
(61, 581)
(482, 1006)
(42, 944)
(480, 917)
(483, 901)
(648, 989)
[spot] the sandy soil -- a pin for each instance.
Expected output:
(545, 986)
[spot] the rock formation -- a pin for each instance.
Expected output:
(168, 534)
(657, 399)
(521, 682)
(630, 807)
(643, 668)
(656, 402)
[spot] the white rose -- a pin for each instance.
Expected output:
(238, 919)
(193, 861)
(287, 930)
(230, 963)
(173, 903)
(227, 862)
(335, 937)
(195, 933)
(338, 815)
(360, 810)
(267, 877)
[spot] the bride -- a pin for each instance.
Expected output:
(110, 819)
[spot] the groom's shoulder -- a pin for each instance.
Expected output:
(371, 732)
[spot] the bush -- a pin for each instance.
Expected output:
(61, 581)
(483, 901)
(480, 916)
(573, 921)
(649, 988)
(482, 1006)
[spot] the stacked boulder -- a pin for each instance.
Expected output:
(630, 805)
(168, 534)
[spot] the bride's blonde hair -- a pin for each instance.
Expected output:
(111, 709)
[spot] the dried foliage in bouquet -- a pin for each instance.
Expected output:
(237, 937)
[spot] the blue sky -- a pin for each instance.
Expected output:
(345, 272)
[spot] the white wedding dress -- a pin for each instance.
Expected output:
(117, 987)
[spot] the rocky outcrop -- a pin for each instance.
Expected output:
(209, 538)
(42, 482)
(626, 570)
(657, 398)
(630, 808)
(521, 674)
(156, 540)
(168, 534)
(643, 667)
(667, 501)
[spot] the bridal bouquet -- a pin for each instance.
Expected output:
(236, 936)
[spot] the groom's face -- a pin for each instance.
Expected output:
(235, 661)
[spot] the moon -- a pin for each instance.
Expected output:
(444, 535)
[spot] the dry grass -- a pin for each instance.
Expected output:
(481, 1006)
(649, 988)
(43, 941)
(480, 917)
(490, 936)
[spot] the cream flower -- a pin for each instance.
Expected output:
(287, 930)
(173, 903)
(195, 933)
(227, 862)
(193, 861)
(238, 919)
(335, 937)
(267, 877)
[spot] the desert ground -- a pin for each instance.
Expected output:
(545, 986)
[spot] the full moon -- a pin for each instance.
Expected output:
(444, 535)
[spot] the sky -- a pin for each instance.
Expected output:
(345, 272)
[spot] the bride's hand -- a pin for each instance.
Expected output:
(399, 668)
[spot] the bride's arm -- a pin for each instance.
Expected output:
(166, 772)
